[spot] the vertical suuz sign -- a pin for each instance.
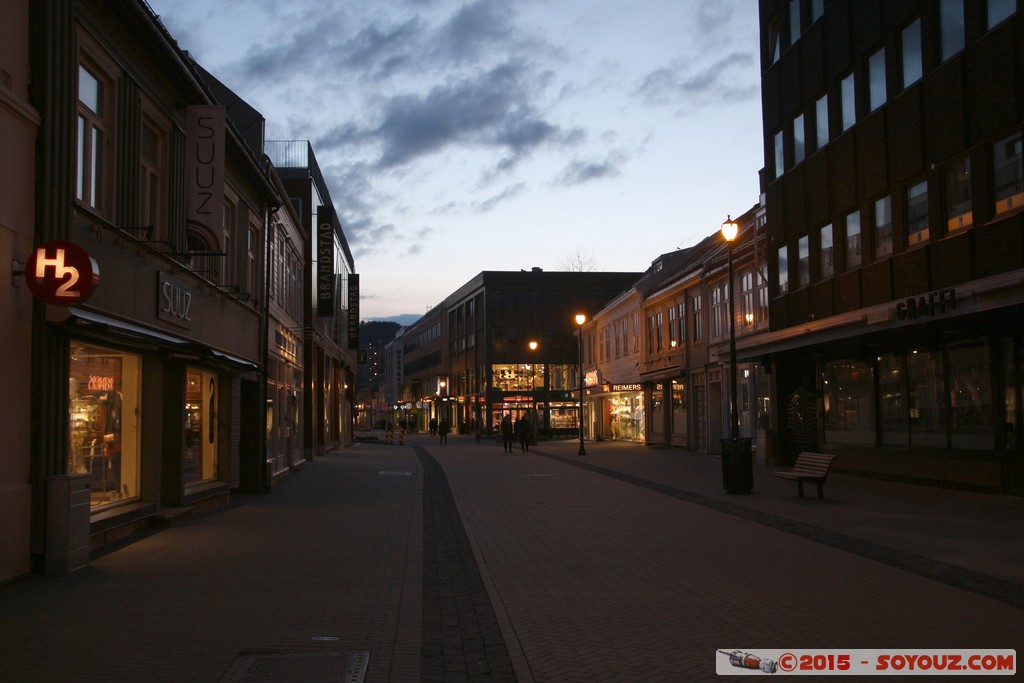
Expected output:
(325, 261)
(204, 167)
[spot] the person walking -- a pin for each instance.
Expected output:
(507, 432)
(442, 429)
(523, 432)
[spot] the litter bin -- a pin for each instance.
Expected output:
(737, 465)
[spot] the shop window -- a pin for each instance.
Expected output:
(883, 227)
(970, 396)
(849, 402)
(93, 135)
(199, 459)
(913, 65)
(1008, 163)
(848, 103)
(104, 412)
(951, 36)
(827, 253)
(892, 404)
(917, 214)
(876, 79)
(999, 11)
(803, 261)
(783, 263)
(926, 398)
(958, 195)
(798, 139)
(853, 240)
(821, 122)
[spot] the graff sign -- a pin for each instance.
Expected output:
(930, 304)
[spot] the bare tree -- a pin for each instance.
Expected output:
(579, 261)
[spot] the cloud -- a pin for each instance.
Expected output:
(579, 172)
(727, 79)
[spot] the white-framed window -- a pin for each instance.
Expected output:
(913, 65)
(93, 133)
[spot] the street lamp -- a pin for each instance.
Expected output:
(534, 345)
(737, 473)
(580, 319)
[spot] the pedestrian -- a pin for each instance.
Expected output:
(523, 432)
(442, 429)
(433, 426)
(507, 432)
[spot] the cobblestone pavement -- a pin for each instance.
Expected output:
(457, 562)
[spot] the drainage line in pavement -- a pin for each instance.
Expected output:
(989, 586)
(461, 636)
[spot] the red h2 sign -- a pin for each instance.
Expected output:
(61, 273)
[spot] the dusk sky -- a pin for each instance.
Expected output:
(500, 135)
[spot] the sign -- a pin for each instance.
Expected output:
(61, 273)
(627, 387)
(353, 311)
(931, 304)
(325, 261)
(204, 166)
(173, 300)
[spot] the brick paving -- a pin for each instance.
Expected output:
(457, 562)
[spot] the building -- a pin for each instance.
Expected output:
(424, 395)
(152, 208)
(894, 189)
(330, 336)
(19, 123)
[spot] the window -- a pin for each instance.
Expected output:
(1009, 174)
(104, 413)
(783, 261)
(926, 400)
(999, 11)
(849, 105)
(673, 340)
(798, 139)
(951, 16)
(821, 122)
(970, 396)
(200, 453)
(650, 334)
(853, 240)
(659, 323)
(958, 195)
(912, 64)
(892, 403)
(827, 263)
(917, 213)
(252, 254)
(717, 314)
(883, 227)
(774, 48)
(698, 317)
(762, 294)
(876, 79)
(92, 138)
(780, 162)
(747, 289)
(817, 10)
(681, 317)
(227, 244)
(803, 262)
(152, 161)
(794, 21)
(849, 402)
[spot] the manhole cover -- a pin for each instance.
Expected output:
(319, 666)
(394, 473)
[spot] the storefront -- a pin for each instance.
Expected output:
(618, 411)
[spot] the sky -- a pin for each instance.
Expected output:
(458, 137)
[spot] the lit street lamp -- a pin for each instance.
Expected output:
(580, 319)
(737, 469)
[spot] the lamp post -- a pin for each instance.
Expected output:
(737, 472)
(535, 428)
(580, 319)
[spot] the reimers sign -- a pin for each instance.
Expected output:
(61, 273)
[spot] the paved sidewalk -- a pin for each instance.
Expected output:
(457, 562)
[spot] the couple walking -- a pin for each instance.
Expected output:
(510, 432)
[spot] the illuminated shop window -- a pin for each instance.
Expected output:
(199, 456)
(103, 390)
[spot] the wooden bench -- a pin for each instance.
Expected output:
(809, 467)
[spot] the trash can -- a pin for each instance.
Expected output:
(737, 465)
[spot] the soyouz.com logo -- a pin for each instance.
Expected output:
(837, 662)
